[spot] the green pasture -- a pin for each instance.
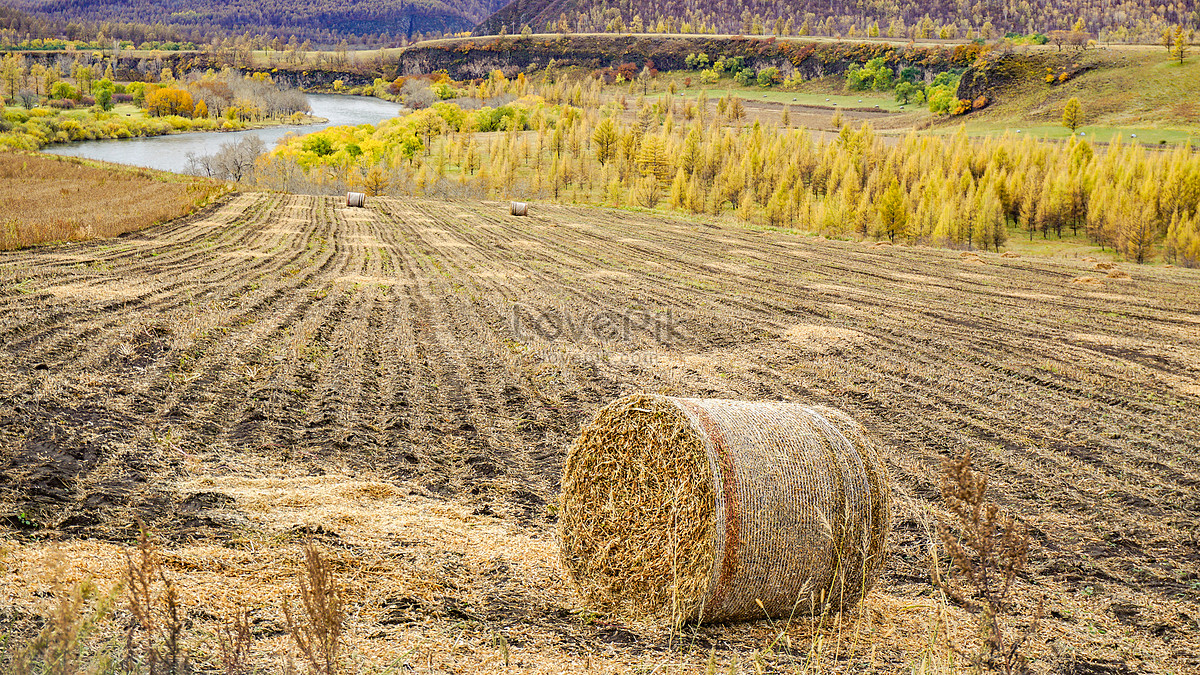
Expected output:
(865, 99)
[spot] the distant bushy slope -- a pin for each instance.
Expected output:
(1126, 21)
(320, 21)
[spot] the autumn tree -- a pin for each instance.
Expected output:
(429, 124)
(893, 215)
(652, 158)
(1179, 45)
(169, 101)
(375, 182)
(13, 71)
(604, 138)
(905, 91)
(1072, 116)
(1137, 229)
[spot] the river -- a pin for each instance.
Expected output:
(169, 153)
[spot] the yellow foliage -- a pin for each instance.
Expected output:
(169, 101)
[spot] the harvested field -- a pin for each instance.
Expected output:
(400, 383)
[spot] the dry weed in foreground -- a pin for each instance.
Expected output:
(318, 633)
(46, 199)
(989, 549)
(154, 640)
(235, 639)
(60, 647)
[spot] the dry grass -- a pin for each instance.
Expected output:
(48, 199)
(417, 577)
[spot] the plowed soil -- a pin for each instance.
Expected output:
(446, 354)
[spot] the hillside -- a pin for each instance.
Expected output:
(323, 22)
(906, 18)
(465, 58)
(1118, 88)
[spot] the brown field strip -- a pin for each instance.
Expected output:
(44, 198)
(279, 366)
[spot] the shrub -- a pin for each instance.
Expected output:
(62, 90)
(768, 77)
(941, 99)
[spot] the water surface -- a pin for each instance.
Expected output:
(169, 153)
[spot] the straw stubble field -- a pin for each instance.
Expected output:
(390, 382)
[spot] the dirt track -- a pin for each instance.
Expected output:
(279, 332)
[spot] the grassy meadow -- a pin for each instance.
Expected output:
(58, 199)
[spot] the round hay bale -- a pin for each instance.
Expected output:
(1117, 274)
(1010, 254)
(968, 254)
(1088, 258)
(519, 208)
(356, 199)
(711, 510)
(1087, 281)
(1102, 266)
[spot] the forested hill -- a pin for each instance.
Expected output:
(322, 22)
(952, 19)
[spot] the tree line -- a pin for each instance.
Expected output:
(568, 142)
(63, 101)
(323, 22)
(902, 19)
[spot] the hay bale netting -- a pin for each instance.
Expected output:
(356, 199)
(697, 509)
(519, 208)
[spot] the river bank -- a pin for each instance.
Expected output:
(169, 152)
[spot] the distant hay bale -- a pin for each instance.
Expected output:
(1117, 274)
(1089, 281)
(1010, 254)
(1101, 266)
(972, 260)
(701, 509)
(968, 254)
(1089, 259)
(881, 244)
(519, 208)
(356, 199)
